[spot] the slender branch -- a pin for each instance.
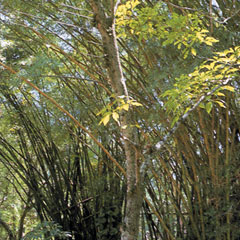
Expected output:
(64, 11)
(212, 18)
(227, 19)
(76, 14)
(116, 7)
(181, 8)
(69, 77)
(75, 8)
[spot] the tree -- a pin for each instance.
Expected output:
(105, 21)
(162, 96)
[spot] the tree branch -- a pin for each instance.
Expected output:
(8, 230)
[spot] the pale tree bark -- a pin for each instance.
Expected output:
(105, 22)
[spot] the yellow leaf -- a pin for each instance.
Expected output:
(115, 116)
(125, 106)
(105, 120)
(219, 76)
(204, 31)
(99, 113)
(211, 39)
(229, 88)
(208, 43)
(220, 104)
(212, 65)
(136, 104)
(220, 94)
(233, 70)
(194, 53)
(135, 3)
(128, 5)
(187, 109)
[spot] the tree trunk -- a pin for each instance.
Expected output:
(106, 27)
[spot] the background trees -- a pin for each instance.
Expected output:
(78, 180)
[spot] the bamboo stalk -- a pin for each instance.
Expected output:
(227, 170)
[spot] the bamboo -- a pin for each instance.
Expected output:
(227, 156)
(69, 115)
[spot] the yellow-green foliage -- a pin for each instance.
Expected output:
(155, 22)
(115, 108)
(219, 71)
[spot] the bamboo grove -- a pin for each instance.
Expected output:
(119, 110)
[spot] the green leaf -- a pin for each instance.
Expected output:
(209, 106)
(185, 55)
(201, 105)
(175, 119)
(102, 111)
